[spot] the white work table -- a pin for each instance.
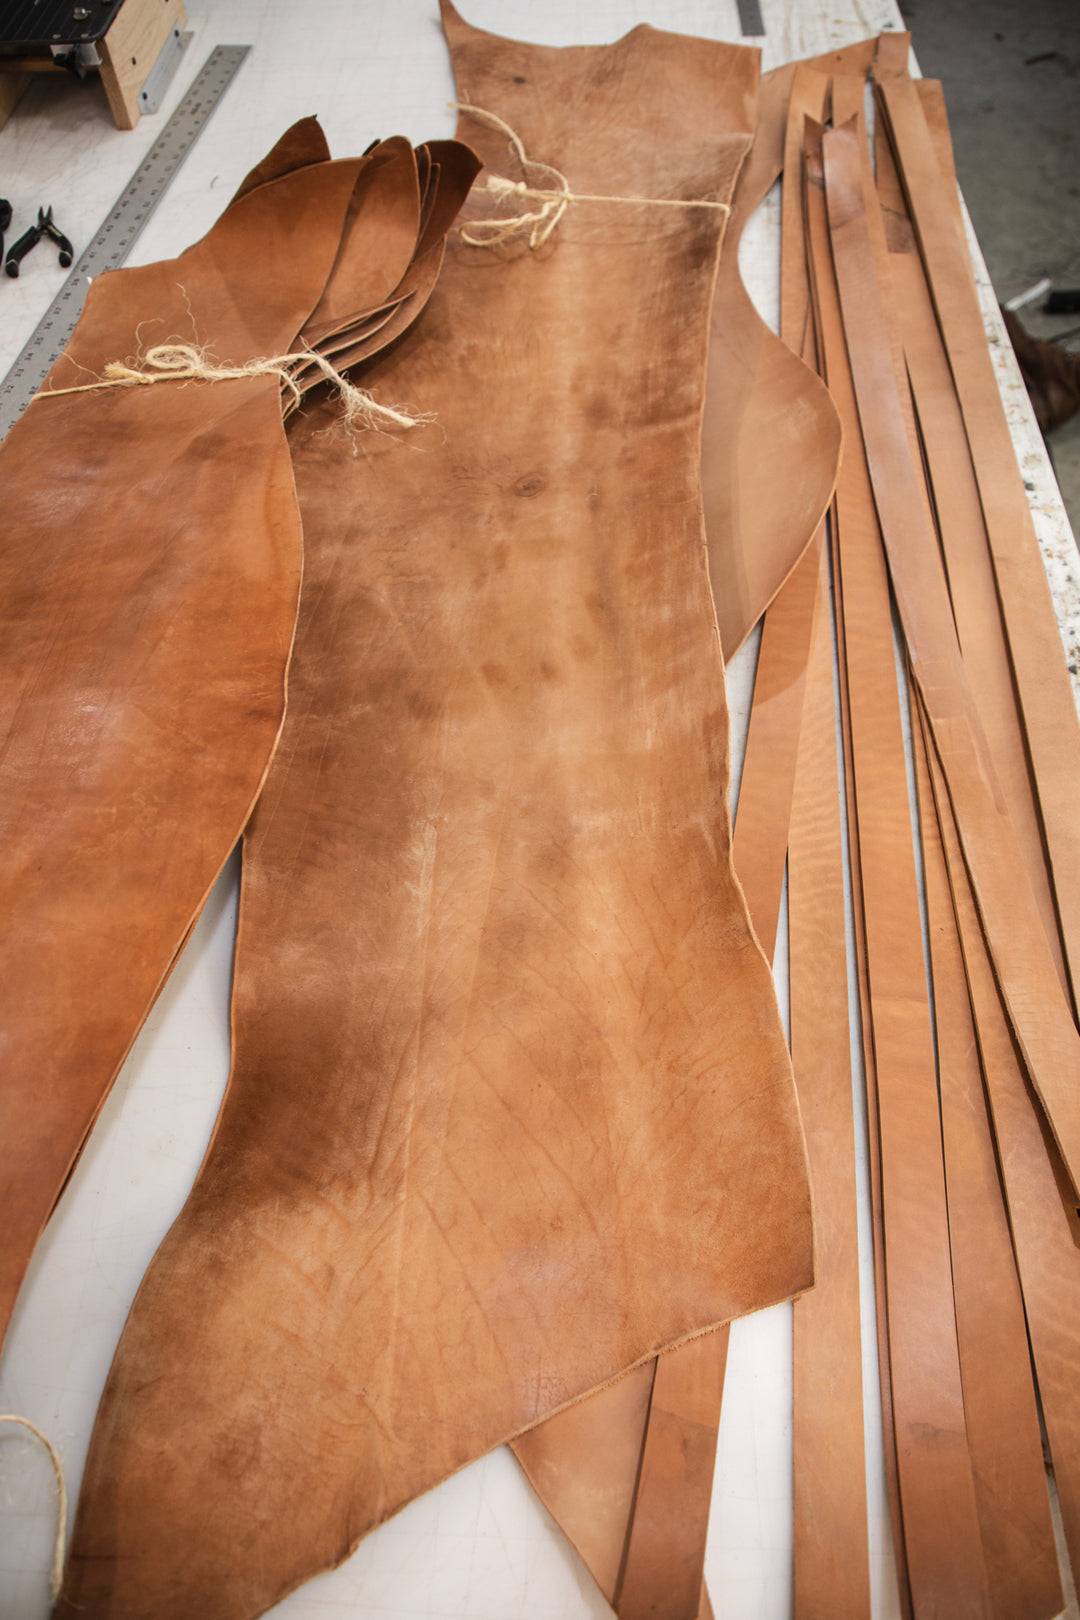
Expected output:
(480, 1547)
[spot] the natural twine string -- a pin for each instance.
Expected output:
(553, 199)
(183, 362)
(56, 1575)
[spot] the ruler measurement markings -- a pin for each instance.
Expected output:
(115, 237)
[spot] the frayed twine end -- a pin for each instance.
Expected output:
(183, 362)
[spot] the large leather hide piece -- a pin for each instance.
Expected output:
(510, 1108)
(149, 583)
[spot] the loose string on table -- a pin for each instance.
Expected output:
(56, 1574)
(183, 362)
(553, 199)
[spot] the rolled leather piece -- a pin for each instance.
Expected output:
(148, 589)
(942, 1550)
(511, 1109)
(995, 1362)
(1040, 1014)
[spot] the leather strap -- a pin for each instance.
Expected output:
(853, 498)
(1040, 1015)
(665, 1554)
(1042, 1214)
(941, 1535)
(1045, 693)
(972, 588)
(832, 1576)
(995, 1364)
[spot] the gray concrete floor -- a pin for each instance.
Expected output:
(1011, 72)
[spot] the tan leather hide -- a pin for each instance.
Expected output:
(511, 1107)
(149, 583)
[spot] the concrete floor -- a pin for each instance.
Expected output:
(1011, 71)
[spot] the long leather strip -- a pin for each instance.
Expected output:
(455, 1141)
(764, 808)
(972, 588)
(999, 1397)
(1042, 1215)
(1040, 1014)
(855, 503)
(665, 1554)
(809, 99)
(831, 1558)
(1046, 699)
(940, 1527)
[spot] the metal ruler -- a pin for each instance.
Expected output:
(120, 229)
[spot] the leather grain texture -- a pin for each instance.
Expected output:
(511, 1109)
(148, 591)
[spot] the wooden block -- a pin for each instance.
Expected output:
(130, 49)
(12, 86)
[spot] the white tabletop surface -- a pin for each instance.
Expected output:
(479, 1547)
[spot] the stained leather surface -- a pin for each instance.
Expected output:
(149, 603)
(561, 1462)
(511, 1108)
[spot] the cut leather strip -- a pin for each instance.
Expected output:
(761, 824)
(664, 1565)
(1024, 964)
(510, 1109)
(999, 1398)
(854, 499)
(969, 569)
(1046, 699)
(944, 1561)
(831, 1558)
(1042, 1216)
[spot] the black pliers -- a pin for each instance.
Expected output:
(30, 239)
